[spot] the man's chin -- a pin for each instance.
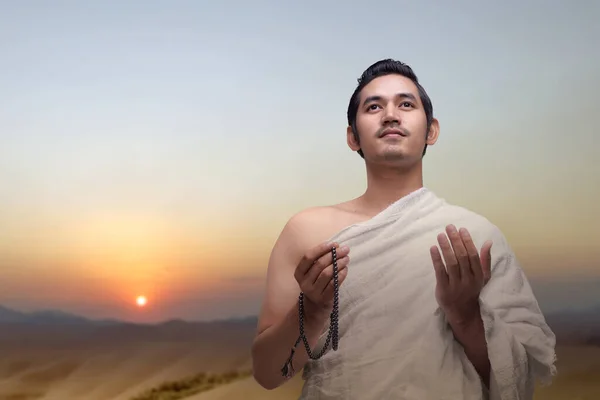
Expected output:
(395, 159)
(394, 153)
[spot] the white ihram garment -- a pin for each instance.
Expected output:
(394, 341)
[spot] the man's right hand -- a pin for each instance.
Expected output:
(314, 274)
(292, 269)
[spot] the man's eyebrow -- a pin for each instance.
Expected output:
(409, 96)
(371, 99)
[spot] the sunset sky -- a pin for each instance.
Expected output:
(158, 148)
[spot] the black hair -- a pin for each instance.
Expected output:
(382, 68)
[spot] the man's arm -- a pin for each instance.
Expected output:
(459, 284)
(493, 313)
(278, 327)
(470, 333)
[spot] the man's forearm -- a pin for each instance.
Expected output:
(470, 334)
(272, 348)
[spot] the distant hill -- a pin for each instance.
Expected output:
(45, 317)
(570, 326)
(576, 326)
(58, 317)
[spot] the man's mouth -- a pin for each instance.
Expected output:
(393, 132)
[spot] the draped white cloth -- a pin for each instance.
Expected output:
(394, 340)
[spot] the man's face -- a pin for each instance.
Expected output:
(391, 122)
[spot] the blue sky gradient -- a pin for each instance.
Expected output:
(160, 147)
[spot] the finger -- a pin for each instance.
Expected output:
(472, 254)
(460, 252)
(328, 292)
(312, 255)
(452, 267)
(326, 275)
(486, 261)
(438, 265)
(323, 262)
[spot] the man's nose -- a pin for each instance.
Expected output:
(391, 115)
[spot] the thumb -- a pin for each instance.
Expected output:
(486, 261)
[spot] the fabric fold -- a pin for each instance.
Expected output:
(520, 343)
(395, 342)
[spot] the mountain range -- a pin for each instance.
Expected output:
(58, 317)
(570, 326)
(8, 315)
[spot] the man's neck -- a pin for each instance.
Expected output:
(387, 185)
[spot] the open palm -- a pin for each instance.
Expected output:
(464, 274)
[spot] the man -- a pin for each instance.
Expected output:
(433, 305)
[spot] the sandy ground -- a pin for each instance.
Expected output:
(116, 363)
(578, 375)
(578, 379)
(248, 389)
(112, 363)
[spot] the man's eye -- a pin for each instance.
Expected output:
(372, 107)
(407, 104)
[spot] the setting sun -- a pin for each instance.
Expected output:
(141, 301)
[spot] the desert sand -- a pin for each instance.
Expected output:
(113, 362)
(83, 362)
(248, 389)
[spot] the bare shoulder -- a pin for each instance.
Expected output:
(302, 232)
(316, 224)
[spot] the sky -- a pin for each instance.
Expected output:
(159, 148)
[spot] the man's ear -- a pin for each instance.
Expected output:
(434, 132)
(351, 139)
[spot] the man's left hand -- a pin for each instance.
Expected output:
(460, 280)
